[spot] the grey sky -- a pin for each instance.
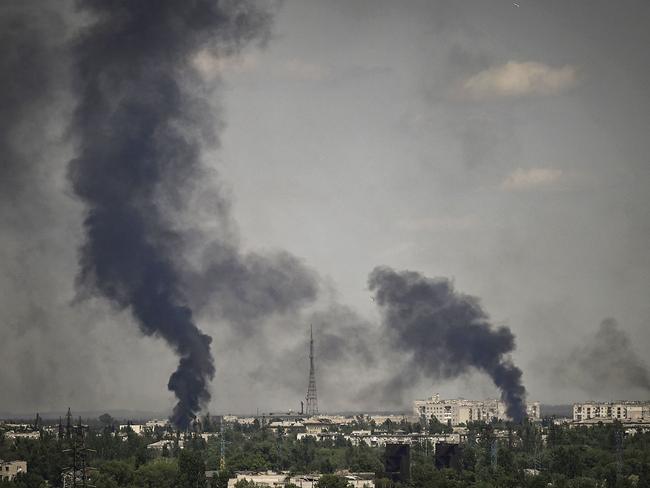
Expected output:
(505, 147)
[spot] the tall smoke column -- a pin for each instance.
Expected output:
(140, 128)
(446, 332)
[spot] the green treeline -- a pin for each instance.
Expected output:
(494, 456)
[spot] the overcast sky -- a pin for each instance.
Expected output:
(502, 145)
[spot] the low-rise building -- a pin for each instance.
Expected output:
(287, 426)
(153, 423)
(23, 435)
(278, 480)
(136, 428)
(168, 443)
(380, 439)
(315, 425)
(394, 419)
(232, 419)
(10, 469)
(338, 419)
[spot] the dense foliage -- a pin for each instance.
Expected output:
(495, 455)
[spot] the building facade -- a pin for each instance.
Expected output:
(10, 469)
(272, 479)
(460, 411)
(624, 411)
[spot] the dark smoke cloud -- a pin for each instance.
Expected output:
(27, 69)
(245, 288)
(140, 127)
(606, 364)
(446, 333)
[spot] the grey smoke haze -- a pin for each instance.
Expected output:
(349, 141)
(348, 349)
(605, 365)
(27, 81)
(445, 333)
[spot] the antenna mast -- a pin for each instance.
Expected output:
(312, 399)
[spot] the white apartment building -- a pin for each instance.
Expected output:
(460, 411)
(625, 410)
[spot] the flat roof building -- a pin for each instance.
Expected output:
(622, 410)
(460, 411)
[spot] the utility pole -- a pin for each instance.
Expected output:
(79, 453)
(68, 425)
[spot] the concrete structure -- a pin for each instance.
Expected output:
(287, 426)
(337, 419)
(278, 480)
(9, 469)
(152, 424)
(232, 419)
(160, 445)
(623, 411)
(23, 435)
(315, 426)
(136, 428)
(394, 419)
(630, 426)
(380, 439)
(460, 411)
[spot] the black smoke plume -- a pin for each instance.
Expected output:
(140, 127)
(446, 333)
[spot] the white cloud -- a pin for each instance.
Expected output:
(515, 79)
(522, 179)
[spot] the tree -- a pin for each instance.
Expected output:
(220, 479)
(28, 480)
(100, 480)
(158, 474)
(106, 419)
(121, 472)
(244, 483)
(191, 469)
(437, 427)
(332, 481)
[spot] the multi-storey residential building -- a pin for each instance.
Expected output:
(624, 410)
(460, 411)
